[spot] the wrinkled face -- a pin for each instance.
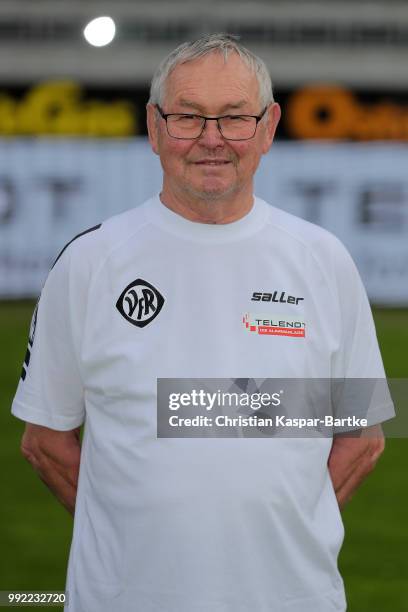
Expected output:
(211, 168)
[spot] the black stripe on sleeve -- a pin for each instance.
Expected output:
(25, 365)
(91, 229)
(27, 357)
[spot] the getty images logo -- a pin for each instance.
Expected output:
(140, 303)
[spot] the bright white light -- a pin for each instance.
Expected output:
(100, 31)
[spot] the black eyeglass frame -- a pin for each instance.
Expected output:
(166, 115)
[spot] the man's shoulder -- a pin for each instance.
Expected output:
(320, 241)
(311, 243)
(98, 241)
(295, 226)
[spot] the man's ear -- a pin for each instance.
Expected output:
(272, 120)
(152, 127)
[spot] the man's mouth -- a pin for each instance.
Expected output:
(212, 162)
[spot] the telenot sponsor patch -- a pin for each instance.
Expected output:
(274, 325)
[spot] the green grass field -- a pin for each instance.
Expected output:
(36, 531)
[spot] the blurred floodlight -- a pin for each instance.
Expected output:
(100, 31)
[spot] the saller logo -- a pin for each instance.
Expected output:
(140, 303)
(276, 296)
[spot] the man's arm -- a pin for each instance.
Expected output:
(55, 455)
(352, 459)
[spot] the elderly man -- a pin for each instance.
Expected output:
(165, 290)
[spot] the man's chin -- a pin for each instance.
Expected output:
(211, 194)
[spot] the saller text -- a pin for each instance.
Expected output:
(282, 298)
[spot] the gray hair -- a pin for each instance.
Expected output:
(221, 43)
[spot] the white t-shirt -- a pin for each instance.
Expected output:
(196, 525)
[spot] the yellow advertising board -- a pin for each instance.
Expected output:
(58, 108)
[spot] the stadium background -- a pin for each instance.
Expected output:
(73, 151)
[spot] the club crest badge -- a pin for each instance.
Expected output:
(140, 303)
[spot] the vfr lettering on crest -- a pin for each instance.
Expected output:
(144, 303)
(282, 298)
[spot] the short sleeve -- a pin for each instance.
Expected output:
(50, 392)
(358, 362)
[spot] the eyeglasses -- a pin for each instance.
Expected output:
(190, 127)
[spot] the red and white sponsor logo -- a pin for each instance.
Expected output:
(273, 325)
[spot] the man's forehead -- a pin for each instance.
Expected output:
(196, 105)
(228, 82)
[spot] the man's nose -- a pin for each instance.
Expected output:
(211, 135)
